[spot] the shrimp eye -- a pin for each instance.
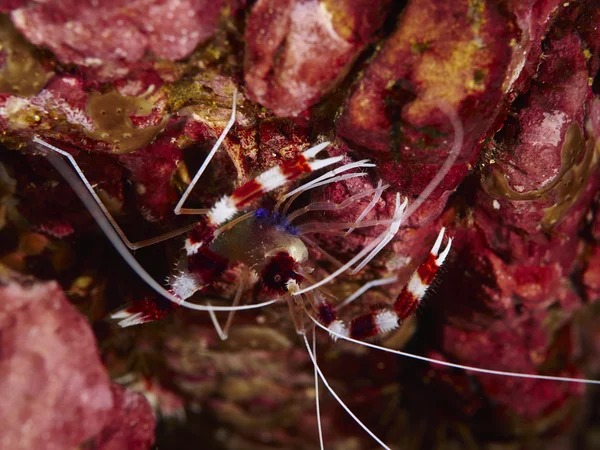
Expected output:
(278, 271)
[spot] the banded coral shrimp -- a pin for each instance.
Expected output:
(278, 259)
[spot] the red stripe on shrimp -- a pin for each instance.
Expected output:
(363, 327)
(327, 313)
(247, 193)
(278, 272)
(202, 234)
(295, 168)
(428, 269)
(207, 265)
(406, 304)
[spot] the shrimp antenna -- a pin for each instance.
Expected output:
(86, 194)
(317, 401)
(179, 206)
(459, 134)
(456, 366)
(337, 397)
(369, 249)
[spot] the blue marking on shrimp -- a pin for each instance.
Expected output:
(277, 220)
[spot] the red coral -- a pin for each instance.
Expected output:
(410, 75)
(52, 207)
(152, 169)
(131, 423)
(55, 390)
(95, 33)
(521, 215)
(517, 348)
(297, 50)
(591, 275)
(394, 108)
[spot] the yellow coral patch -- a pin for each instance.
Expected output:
(22, 74)
(342, 19)
(110, 113)
(450, 77)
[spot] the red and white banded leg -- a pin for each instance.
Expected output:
(328, 315)
(420, 281)
(200, 269)
(267, 181)
(388, 319)
(229, 205)
(147, 309)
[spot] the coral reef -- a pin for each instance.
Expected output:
(138, 93)
(56, 392)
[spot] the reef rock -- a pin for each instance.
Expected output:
(55, 391)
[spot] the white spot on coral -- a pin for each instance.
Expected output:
(551, 127)
(311, 30)
(131, 88)
(516, 72)
(47, 101)
(92, 62)
(326, 20)
(397, 262)
(496, 204)
(12, 106)
(18, 18)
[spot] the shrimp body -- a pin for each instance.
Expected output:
(257, 238)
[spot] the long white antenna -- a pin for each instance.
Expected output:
(457, 366)
(371, 205)
(339, 400)
(364, 288)
(208, 159)
(317, 402)
(452, 155)
(365, 251)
